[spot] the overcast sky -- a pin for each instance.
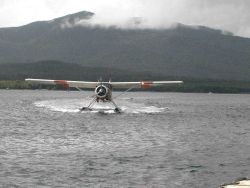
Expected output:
(230, 15)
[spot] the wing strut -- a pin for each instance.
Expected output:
(125, 91)
(117, 109)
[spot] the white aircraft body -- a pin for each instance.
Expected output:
(103, 90)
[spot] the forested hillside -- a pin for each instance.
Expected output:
(182, 51)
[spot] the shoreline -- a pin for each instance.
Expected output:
(210, 87)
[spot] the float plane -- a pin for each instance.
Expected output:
(103, 90)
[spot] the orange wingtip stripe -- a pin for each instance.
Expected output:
(62, 82)
(146, 84)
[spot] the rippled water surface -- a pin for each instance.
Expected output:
(160, 140)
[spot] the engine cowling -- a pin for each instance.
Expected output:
(101, 91)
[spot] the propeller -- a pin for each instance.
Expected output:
(101, 90)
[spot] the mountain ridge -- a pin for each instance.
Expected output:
(181, 51)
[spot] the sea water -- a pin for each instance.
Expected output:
(159, 140)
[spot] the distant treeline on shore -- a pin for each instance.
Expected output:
(12, 76)
(188, 86)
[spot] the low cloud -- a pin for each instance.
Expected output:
(228, 15)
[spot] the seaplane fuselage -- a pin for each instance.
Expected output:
(103, 92)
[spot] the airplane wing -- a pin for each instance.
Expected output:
(142, 84)
(84, 84)
(64, 83)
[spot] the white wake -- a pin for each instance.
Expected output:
(74, 105)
